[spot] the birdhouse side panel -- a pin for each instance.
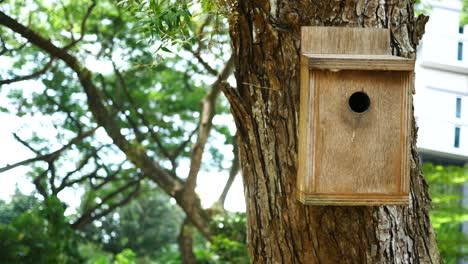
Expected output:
(305, 180)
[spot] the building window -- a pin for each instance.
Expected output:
(457, 137)
(460, 29)
(460, 51)
(458, 108)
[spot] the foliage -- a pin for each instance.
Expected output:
(464, 13)
(422, 7)
(149, 226)
(163, 20)
(127, 256)
(40, 235)
(94, 253)
(19, 204)
(153, 105)
(449, 211)
(145, 231)
(155, 102)
(175, 23)
(229, 245)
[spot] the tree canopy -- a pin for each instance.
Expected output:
(128, 93)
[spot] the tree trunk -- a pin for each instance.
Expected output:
(265, 104)
(185, 241)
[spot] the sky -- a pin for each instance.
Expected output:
(11, 152)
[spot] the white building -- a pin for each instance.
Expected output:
(441, 100)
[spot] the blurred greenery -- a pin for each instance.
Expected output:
(464, 13)
(146, 59)
(422, 7)
(145, 231)
(449, 212)
(38, 235)
(229, 245)
(19, 204)
(149, 225)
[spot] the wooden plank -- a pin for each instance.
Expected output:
(359, 62)
(406, 136)
(304, 172)
(359, 152)
(354, 200)
(339, 40)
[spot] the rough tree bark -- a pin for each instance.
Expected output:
(266, 45)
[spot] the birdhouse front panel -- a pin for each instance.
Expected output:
(354, 123)
(356, 127)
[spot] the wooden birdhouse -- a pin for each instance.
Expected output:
(354, 118)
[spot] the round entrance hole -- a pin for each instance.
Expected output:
(359, 102)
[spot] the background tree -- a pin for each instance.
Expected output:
(20, 203)
(148, 225)
(144, 231)
(110, 131)
(38, 235)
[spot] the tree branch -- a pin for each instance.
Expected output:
(26, 144)
(136, 153)
(91, 215)
(108, 178)
(38, 185)
(52, 176)
(117, 107)
(29, 76)
(100, 113)
(181, 147)
(154, 135)
(64, 109)
(6, 50)
(133, 108)
(51, 156)
(185, 241)
(196, 53)
(205, 64)
(64, 183)
(206, 122)
(83, 26)
(232, 174)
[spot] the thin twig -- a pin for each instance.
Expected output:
(232, 173)
(50, 157)
(33, 75)
(91, 215)
(83, 26)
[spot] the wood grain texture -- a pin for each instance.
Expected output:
(304, 117)
(349, 158)
(338, 40)
(352, 200)
(359, 62)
